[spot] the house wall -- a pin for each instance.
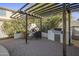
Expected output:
(7, 16)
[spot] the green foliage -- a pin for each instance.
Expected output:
(12, 26)
(54, 21)
(51, 22)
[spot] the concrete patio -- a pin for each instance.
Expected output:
(37, 47)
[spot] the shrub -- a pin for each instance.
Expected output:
(13, 26)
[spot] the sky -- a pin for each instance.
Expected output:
(13, 6)
(75, 15)
(17, 6)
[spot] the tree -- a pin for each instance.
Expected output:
(51, 22)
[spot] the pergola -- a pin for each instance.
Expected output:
(41, 10)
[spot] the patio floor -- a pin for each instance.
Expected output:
(37, 47)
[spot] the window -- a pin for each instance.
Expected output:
(2, 13)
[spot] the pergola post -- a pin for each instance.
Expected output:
(26, 26)
(41, 26)
(64, 29)
(69, 23)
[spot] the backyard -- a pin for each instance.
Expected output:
(42, 29)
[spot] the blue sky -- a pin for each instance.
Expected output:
(16, 6)
(13, 6)
(75, 15)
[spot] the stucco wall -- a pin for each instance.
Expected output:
(7, 16)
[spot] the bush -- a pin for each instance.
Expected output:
(13, 26)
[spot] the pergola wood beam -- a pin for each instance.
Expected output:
(35, 7)
(49, 9)
(43, 7)
(19, 10)
(31, 7)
